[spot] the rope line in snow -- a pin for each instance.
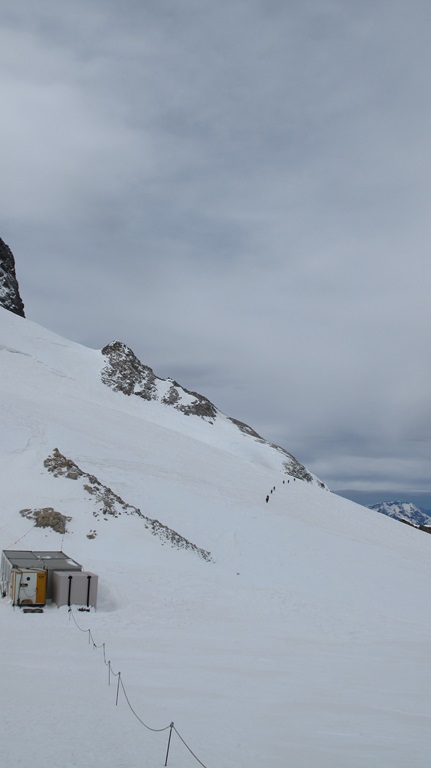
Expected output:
(171, 727)
(186, 745)
(21, 537)
(156, 730)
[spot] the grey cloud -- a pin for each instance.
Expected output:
(239, 191)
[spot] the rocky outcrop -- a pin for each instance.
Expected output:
(123, 372)
(109, 504)
(9, 290)
(47, 517)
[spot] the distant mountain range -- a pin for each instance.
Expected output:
(405, 511)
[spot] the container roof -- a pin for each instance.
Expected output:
(50, 560)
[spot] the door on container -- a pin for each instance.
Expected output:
(41, 587)
(27, 588)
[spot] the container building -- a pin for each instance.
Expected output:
(33, 578)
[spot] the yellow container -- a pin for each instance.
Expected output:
(28, 586)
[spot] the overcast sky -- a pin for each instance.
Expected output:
(239, 190)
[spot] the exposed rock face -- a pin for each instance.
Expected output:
(123, 372)
(47, 517)
(9, 289)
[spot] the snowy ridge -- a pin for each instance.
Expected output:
(305, 642)
(124, 373)
(405, 511)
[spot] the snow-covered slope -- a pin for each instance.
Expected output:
(287, 632)
(403, 510)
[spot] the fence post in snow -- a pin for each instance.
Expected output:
(88, 590)
(169, 743)
(118, 688)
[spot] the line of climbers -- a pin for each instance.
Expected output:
(273, 489)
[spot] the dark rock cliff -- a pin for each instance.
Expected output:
(9, 290)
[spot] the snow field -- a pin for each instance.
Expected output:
(305, 642)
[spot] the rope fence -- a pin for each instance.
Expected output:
(120, 686)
